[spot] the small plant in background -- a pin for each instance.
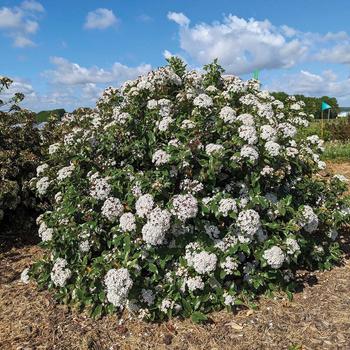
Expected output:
(182, 193)
(19, 157)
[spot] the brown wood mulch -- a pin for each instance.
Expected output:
(317, 318)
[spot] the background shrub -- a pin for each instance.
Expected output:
(19, 157)
(182, 193)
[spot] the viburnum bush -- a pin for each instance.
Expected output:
(20, 154)
(183, 193)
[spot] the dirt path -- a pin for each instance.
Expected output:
(317, 318)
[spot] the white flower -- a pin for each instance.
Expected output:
(227, 205)
(45, 233)
(119, 117)
(248, 222)
(148, 296)
(127, 222)
(166, 305)
(309, 220)
(185, 206)
(212, 231)
(25, 276)
(153, 235)
(174, 143)
(60, 273)
(84, 246)
(229, 300)
(227, 114)
(229, 265)
(248, 133)
(41, 169)
(287, 129)
(267, 170)
(212, 148)
(203, 101)
(249, 152)
(42, 185)
(272, 148)
(194, 283)
(187, 124)
(292, 246)
(268, 133)
(112, 208)
(246, 119)
(160, 157)
(204, 263)
(274, 257)
(54, 148)
(65, 172)
(157, 226)
(164, 124)
(144, 205)
(100, 188)
(118, 283)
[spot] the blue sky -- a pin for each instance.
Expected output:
(63, 53)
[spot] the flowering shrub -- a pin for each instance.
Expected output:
(19, 157)
(183, 193)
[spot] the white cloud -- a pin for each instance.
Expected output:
(69, 73)
(310, 84)
(244, 45)
(340, 53)
(179, 18)
(101, 18)
(32, 5)
(21, 41)
(19, 22)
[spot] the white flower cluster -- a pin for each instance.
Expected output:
(118, 283)
(212, 148)
(309, 220)
(100, 188)
(292, 246)
(42, 185)
(144, 205)
(45, 233)
(112, 208)
(194, 283)
(227, 114)
(185, 206)
(154, 231)
(203, 262)
(60, 273)
(248, 222)
(227, 205)
(203, 101)
(160, 157)
(274, 257)
(127, 222)
(65, 172)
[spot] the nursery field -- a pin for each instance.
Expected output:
(317, 318)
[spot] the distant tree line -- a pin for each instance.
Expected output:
(43, 116)
(313, 104)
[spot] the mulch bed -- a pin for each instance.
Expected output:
(317, 318)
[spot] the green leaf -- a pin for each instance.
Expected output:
(198, 317)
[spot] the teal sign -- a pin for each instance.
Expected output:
(325, 106)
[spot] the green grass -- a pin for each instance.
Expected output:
(337, 151)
